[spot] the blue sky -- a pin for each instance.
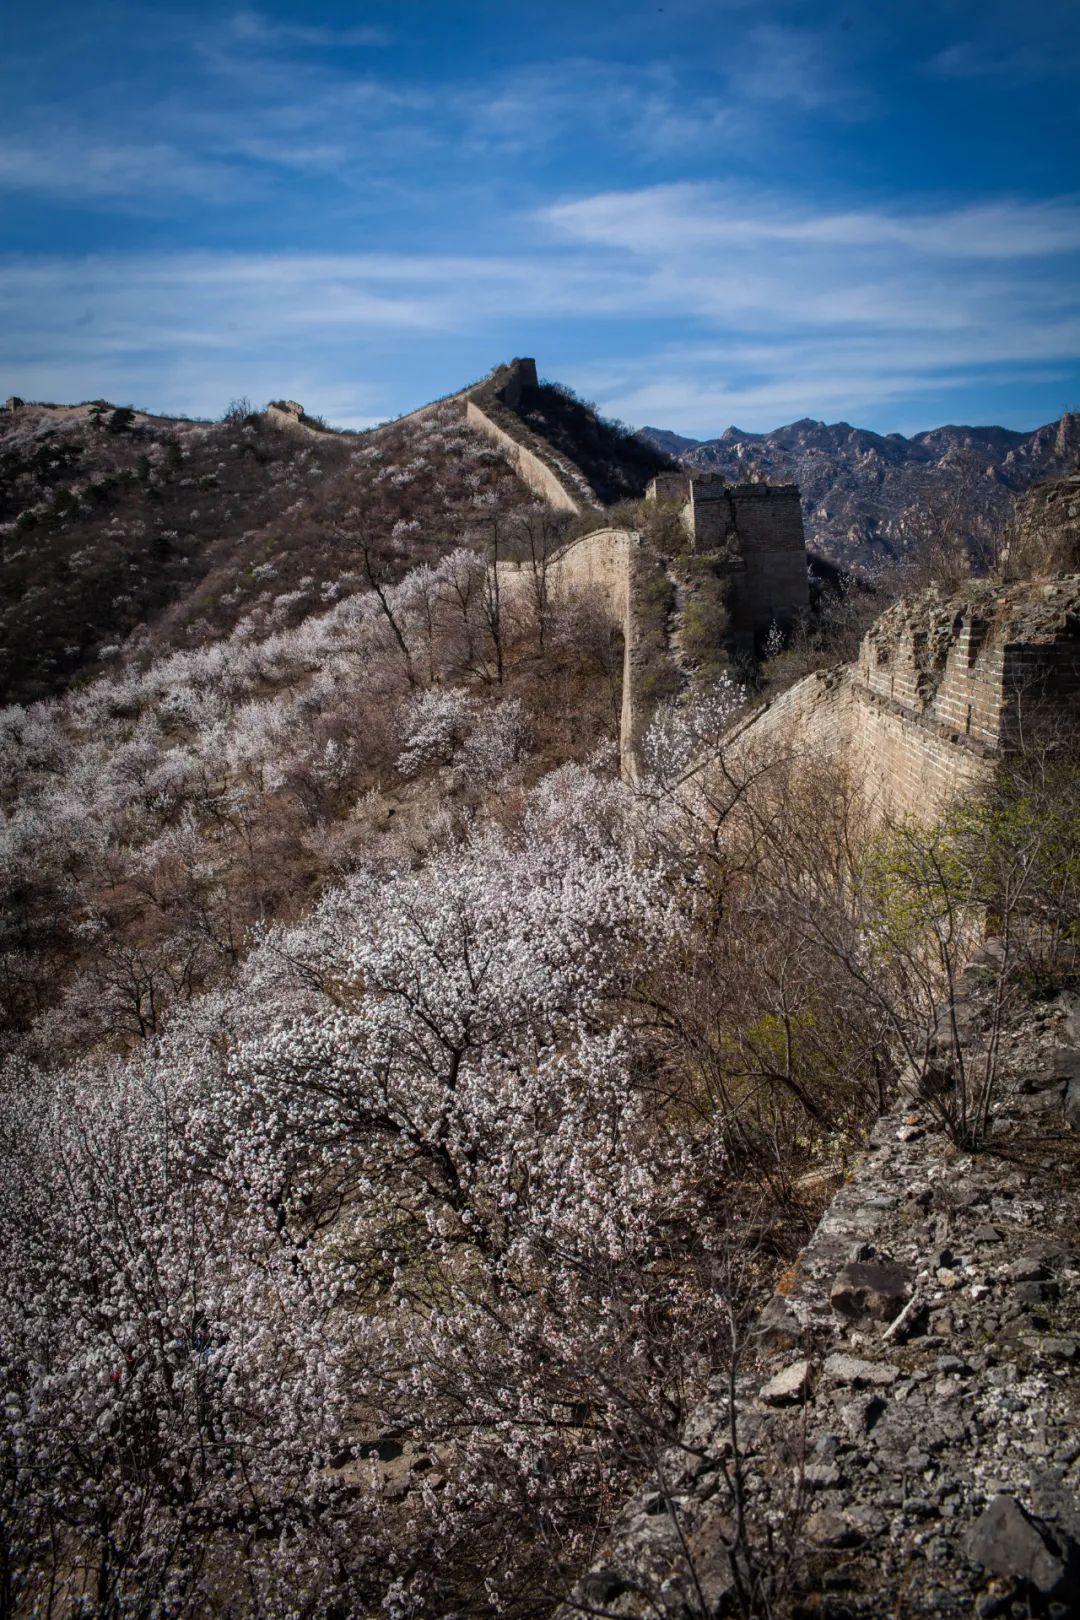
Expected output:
(695, 214)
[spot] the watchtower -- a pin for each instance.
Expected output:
(755, 532)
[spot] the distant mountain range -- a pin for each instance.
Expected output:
(867, 494)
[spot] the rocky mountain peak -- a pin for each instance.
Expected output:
(864, 492)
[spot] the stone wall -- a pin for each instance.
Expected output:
(667, 487)
(775, 585)
(506, 382)
(759, 528)
(959, 663)
(937, 696)
(290, 415)
(941, 683)
(1046, 539)
(814, 718)
(489, 406)
(527, 463)
(600, 562)
(521, 375)
(709, 515)
(941, 690)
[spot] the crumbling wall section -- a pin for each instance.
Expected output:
(1046, 539)
(758, 531)
(290, 415)
(943, 687)
(982, 648)
(709, 515)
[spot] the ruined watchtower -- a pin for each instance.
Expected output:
(755, 531)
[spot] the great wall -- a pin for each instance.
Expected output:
(939, 689)
(901, 1434)
(941, 682)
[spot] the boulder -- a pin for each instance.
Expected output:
(1009, 1542)
(875, 1288)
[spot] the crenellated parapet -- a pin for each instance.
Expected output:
(946, 685)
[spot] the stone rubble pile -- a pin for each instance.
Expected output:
(906, 1430)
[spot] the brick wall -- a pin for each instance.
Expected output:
(760, 527)
(710, 519)
(774, 584)
(533, 471)
(940, 691)
(667, 487)
(599, 562)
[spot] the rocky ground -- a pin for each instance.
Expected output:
(906, 1435)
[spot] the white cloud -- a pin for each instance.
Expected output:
(700, 390)
(77, 167)
(764, 340)
(255, 28)
(1053, 55)
(641, 108)
(669, 220)
(781, 311)
(799, 67)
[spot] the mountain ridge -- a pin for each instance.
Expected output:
(867, 494)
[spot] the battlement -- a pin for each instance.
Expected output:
(944, 689)
(969, 667)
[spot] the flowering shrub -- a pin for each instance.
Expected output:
(173, 1373)
(689, 729)
(433, 726)
(406, 1178)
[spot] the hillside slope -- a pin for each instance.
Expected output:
(868, 495)
(402, 1113)
(114, 523)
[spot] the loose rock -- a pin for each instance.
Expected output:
(1072, 1105)
(875, 1288)
(1029, 1268)
(828, 1529)
(788, 1387)
(843, 1369)
(1008, 1542)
